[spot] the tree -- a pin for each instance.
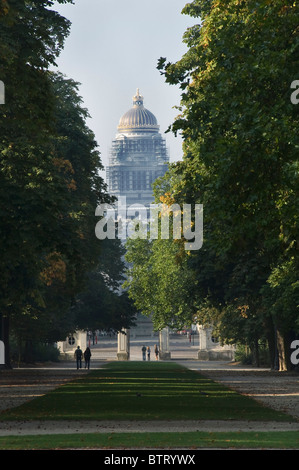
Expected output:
(49, 176)
(102, 304)
(31, 38)
(240, 150)
(158, 282)
(158, 278)
(71, 248)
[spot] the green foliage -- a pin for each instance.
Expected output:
(281, 294)
(240, 134)
(32, 352)
(33, 193)
(63, 226)
(102, 304)
(246, 356)
(49, 178)
(158, 282)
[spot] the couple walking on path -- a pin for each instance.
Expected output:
(79, 354)
(148, 352)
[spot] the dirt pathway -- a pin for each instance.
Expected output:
(278, 390)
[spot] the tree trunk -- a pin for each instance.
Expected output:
(283, 348)
(28, 352)
(256, 353)
(271, 340)
(254, 349)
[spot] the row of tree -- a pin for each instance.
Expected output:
(240, 142)
(50, 259)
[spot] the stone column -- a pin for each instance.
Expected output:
(123, 345)
(164, 352)
(202, 338)
(203, 349)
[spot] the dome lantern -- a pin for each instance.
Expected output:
(137, 99)
(138, 118)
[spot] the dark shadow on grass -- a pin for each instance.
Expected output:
(144, 391)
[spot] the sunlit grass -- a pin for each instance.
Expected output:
(143, 391)
(191, 440)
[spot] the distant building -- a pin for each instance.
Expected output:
(138, 155)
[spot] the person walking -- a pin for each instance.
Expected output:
(148, 353)
(143, 349)
(87, 356)
(78, 356)
(156, 352)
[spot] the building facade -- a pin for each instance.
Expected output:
(138, 155)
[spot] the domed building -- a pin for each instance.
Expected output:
(138, 155)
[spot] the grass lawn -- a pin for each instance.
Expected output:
(167, 440)
(143, 391)
(147, 391)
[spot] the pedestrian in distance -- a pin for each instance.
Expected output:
(148, 353)
(143, 349)
(87, 356)
(156, 352)
(78, 356)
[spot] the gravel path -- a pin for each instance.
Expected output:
(83, 427)
(277, 390)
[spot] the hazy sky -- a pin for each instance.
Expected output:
(113, 49)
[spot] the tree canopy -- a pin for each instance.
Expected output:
(49, 179)
(240, 161)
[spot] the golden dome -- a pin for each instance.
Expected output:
(138, 118)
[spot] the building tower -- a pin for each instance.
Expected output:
(138, 155)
